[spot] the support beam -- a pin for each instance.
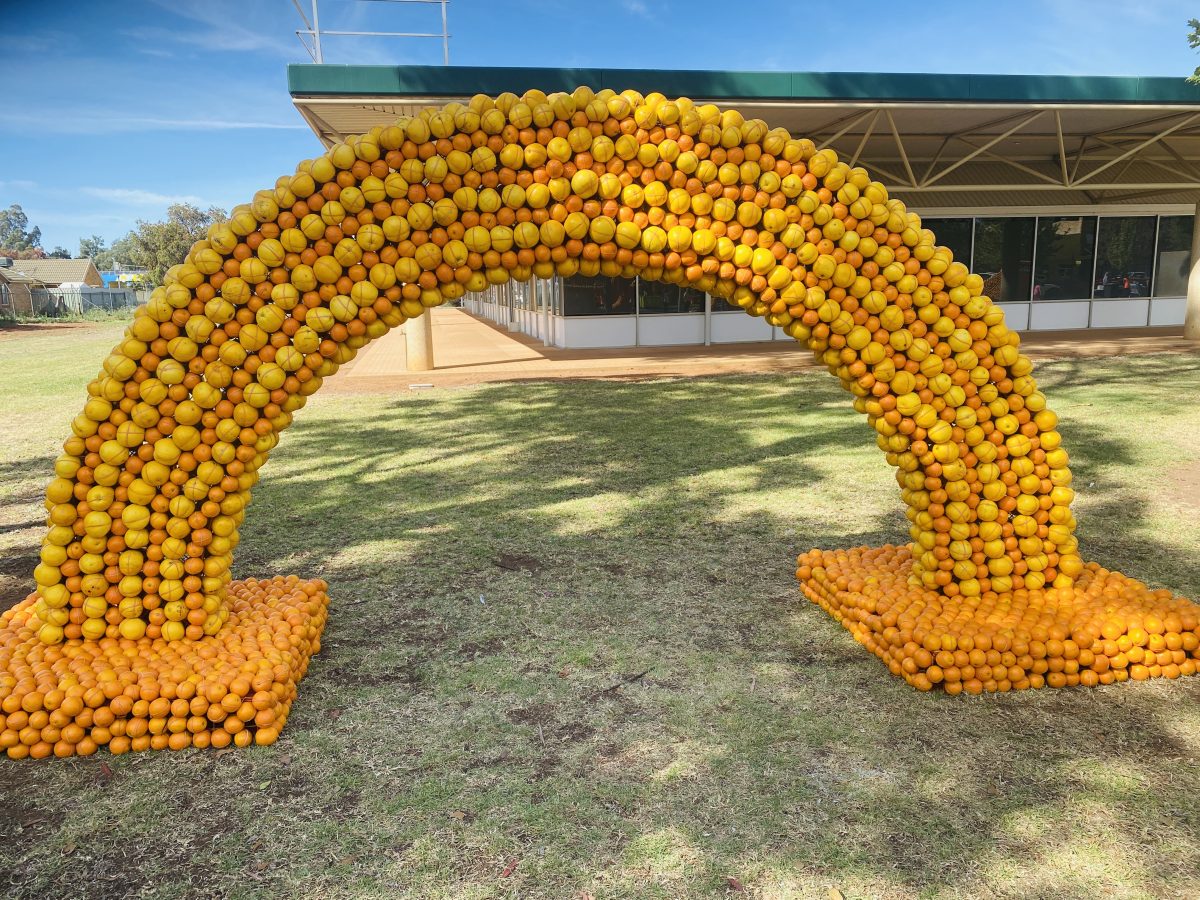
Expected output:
(869, 114)
(865, 137)
(1191, 317)
(1132, 151)
(418, 338)
(930, 179)
(912, 179)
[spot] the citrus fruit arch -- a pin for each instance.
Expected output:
(137, 638)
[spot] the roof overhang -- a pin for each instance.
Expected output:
(943, 142)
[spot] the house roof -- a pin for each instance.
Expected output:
(10, 276)
(53, 272)
(937, 141)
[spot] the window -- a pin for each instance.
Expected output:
(1004, 257)
(597, 296)
(1174, 256)
(691, 300)
(541, 294)
(1124, 257)
(1066, 248)
(658, 297)
(953, 233)
(521, 293)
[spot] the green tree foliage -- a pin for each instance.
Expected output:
(157, 246)
(16, 237)
(59, 253)
(92, 248)
(1194, 42)
(107, 258)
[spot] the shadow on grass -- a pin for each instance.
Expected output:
(565, 631)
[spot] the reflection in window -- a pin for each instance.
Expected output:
(952, 233)
(659, 297)
(543, 293)
(598, 296)
(1174, 256)
(1066, 249)
(1124, 257)
(521, 292)
(1004, 257)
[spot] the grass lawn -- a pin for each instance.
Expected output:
(567, 657)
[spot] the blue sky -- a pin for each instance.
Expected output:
(113, 110)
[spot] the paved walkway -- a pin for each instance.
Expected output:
(469, 350)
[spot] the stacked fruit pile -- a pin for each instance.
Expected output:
(153, 694)
(1103, 629)
(154, 482)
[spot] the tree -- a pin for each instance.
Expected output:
(59, 253)
(15, 235)
(157, 246)
(31, 253)
(120, 253)
(1194, 42)
(91, 248)
(106, 258)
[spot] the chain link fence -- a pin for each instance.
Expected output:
(19, 301)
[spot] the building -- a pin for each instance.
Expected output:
(1075, 197)
(57, 287)
(16, 291)
(53, 273)
(125, 276)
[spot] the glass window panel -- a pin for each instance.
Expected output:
(1004, 257)
(1174, 256)
(658, 297)
(1124, 257)
(598, 296)
(1066, 249)
(952, 233)
(691, 300)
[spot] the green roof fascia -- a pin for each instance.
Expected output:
(443, 81)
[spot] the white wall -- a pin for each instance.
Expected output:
(597, 331)
(1168, 311)
(735, 327)
(1059, 316)
(670, 328)
(1016, 315)
(1124, 313)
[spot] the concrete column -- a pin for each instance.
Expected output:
(418, 338)
(1191, 321)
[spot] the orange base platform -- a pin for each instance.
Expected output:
(1104, 629)
(234, 688)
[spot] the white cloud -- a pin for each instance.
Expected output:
(216, 26)
(138, 197)
(637, 8)
(18, 184)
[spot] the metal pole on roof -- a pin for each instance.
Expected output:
(316, 27)
(445, 37)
